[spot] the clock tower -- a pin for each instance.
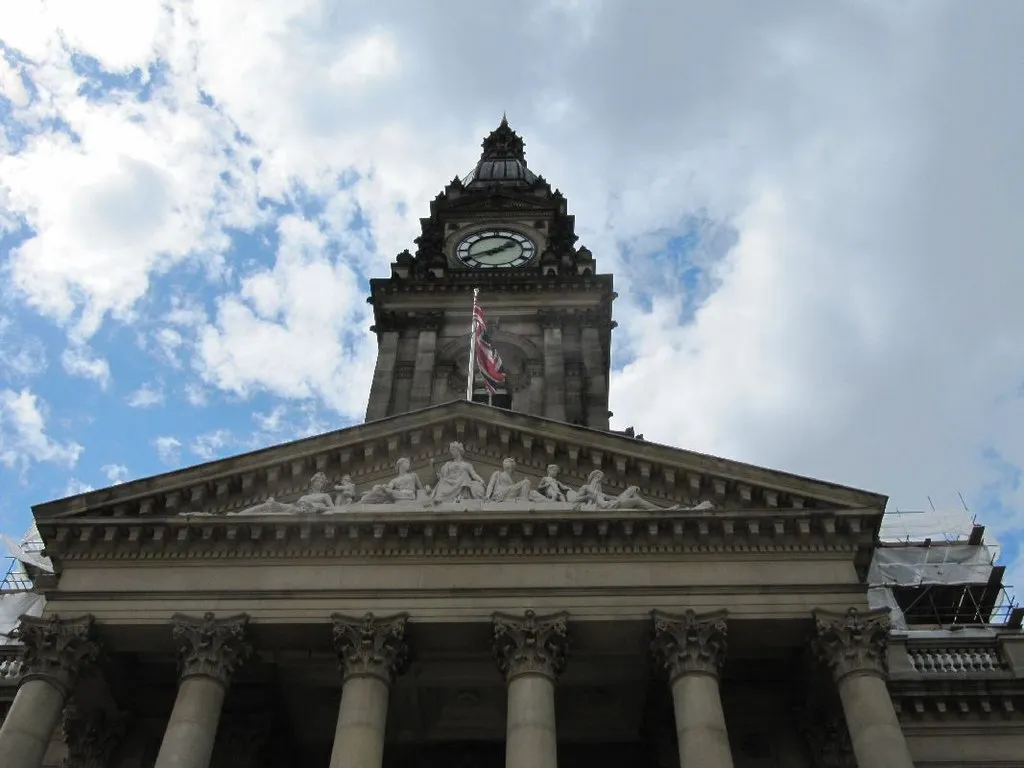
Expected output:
(501, 229)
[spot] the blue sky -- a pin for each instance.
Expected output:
(815, 245)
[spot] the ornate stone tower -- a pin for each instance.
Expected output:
(503, 230)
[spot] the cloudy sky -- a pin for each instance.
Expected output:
(812, 211)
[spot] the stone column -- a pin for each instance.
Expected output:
(371, 652)
(691, 649)
(853, 647)
(55, 651)
(531, 651)
(209, 652)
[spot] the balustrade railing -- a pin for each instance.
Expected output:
(951, 660)
(10, 664)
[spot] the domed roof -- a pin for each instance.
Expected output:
(503, 160)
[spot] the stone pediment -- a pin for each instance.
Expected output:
(349, 463)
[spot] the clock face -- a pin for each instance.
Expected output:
(495, 248)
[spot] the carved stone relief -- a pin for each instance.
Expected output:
(211, 647)
(531, 644)
(456, 483)
(91, 737)
(854, 642)
(56, 649)
(370, 646)
(689, 643)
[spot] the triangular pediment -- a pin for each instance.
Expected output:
(661, 475)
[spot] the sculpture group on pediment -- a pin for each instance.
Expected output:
(591, 495)
(405, 486)
(456, 479)
(457, 483)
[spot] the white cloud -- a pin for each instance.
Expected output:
(854, 169)
(21, 356)
(289, 329)
(82, 362)
(146, 396)
(75, 486)
(12, 86)
(115, 473)
(23, 437)
(211, 444)
(168, 449)
(195, 395)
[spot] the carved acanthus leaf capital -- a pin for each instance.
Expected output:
(91, 737)
(852, 642)
(531, 644)
(56, 649)
(689, 643)
(211, 647)
(368, 646)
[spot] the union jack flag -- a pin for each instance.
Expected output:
(488, 361)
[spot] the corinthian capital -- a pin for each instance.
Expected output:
(211, 647)
(531, 644)
(689, 643)
(852, 641)
(56, 649)
(369, 646)
(91, 737)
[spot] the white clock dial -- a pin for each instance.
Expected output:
(495, 248)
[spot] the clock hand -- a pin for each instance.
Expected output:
(502, 247)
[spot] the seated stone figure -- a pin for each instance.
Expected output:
(403, 487)
(504, 486)
(317, 500)
(592, 496)
(551, 488)
(457, 480)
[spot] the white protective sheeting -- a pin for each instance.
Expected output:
(882, 597)
(912, 566)
(13, 605)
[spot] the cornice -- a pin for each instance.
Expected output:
(458, 534)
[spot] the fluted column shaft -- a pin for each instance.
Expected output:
(371, 652)
(531, 653)
(691, 649)
(853, 647)
(209, 651)
(55, 651)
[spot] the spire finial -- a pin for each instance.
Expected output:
(503, 143)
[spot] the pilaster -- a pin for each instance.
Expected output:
(383, 375)
(554, 367)
(423, 373)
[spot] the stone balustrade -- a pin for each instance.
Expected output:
(10, 664)
(956, 660)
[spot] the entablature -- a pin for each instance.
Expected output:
(479, 530)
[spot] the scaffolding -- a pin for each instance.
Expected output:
(934, 570)
(24, 562)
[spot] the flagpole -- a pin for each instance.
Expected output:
(472, 348)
